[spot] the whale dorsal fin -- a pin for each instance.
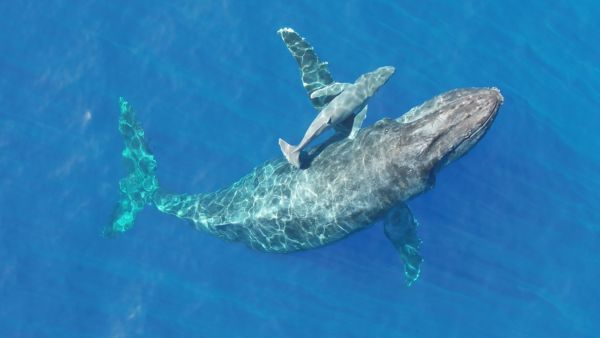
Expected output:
(314, 72)
(332, 90)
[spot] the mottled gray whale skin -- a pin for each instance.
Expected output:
(351, 184)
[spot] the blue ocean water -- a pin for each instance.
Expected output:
(511, 231)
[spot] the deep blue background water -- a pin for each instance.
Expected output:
(511, 231)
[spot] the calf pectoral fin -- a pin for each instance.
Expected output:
(315, 73)
(401, 229)
(351, 125)
(358, 121)
(333, 89)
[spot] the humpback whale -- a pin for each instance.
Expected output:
(352, 183)
(349, 103)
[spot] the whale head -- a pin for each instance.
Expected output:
(450, 124)
(434, 134)
(372, 81)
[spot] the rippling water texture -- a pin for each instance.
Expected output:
(511, 232)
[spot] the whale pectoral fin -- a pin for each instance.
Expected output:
(332, 90)
(358, 121)
(401, 229)
(315, 74)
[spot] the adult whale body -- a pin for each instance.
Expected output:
(350, 184)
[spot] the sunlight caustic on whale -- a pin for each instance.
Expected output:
(351, 182)
(346, 111)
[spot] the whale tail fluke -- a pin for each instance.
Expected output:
(291, 153)
(139, 188)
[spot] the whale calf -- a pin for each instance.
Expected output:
(349, 102)
(352, 183)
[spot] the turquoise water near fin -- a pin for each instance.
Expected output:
(139, 187)
(511, 232)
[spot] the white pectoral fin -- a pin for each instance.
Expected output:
(358, 121)
(401, 229)
(331, 90)
(314, 71)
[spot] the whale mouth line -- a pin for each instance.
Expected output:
(473, 137)
(476, 135)
(488, 122)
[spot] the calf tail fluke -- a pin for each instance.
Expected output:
(291, 153)
(140, 186)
